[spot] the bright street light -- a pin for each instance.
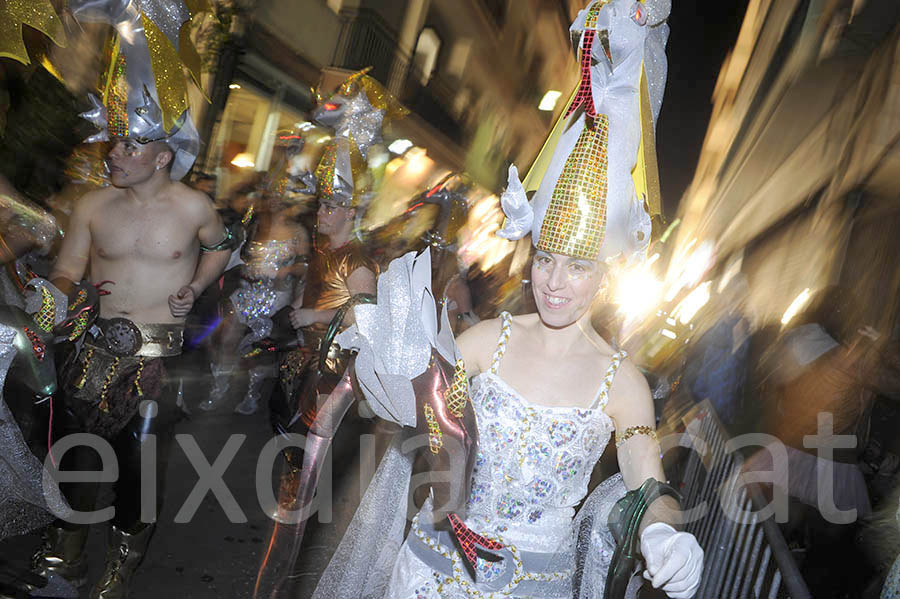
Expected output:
(243, 160)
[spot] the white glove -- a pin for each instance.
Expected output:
(519, 215)
(674, 560)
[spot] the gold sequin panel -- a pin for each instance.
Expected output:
(575, 221)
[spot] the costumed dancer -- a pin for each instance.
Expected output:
(341, 269)
(341, 273)
(448, 273)
(27, 234)
(29, 498)
(547, 389)
(156, 244)
(275, 260)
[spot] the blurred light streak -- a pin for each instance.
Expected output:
(668, 333)
(665, 236)
(732, 269)
(126, 31)
(698, 263)
(548, 102)
(795, 306)
(243, 160)
(234, 86)
(400, 146)
(690, 305)
(478, 243)
(637, 293)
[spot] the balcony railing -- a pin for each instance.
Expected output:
(367, 41)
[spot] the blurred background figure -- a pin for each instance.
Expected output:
(275, 258)
(826, 363)
(434, 221)
(717, 362)
(206, 183)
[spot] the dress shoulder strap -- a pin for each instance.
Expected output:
(505, 327)
(603, 392)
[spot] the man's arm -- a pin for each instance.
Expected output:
(361, 280)
(210, 233)
(75, 251)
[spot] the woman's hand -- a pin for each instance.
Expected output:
(674, 560)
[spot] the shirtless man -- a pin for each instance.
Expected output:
(157, 244)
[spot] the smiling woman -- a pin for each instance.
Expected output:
(547, 389)
(565, 287)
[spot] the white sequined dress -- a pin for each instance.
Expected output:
(533, 467)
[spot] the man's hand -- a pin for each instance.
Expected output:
(182, 302)
(303, 317)
(674, 560)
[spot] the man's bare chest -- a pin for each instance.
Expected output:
(122, 232)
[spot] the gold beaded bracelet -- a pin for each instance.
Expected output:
(635, 430)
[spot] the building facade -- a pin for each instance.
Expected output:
(798, 180)
(473, 73)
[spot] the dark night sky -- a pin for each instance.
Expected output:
(699, 40)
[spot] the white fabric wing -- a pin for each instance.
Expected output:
(394, 338)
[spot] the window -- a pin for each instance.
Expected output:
(425, 58)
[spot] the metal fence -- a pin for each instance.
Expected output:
(745, 556)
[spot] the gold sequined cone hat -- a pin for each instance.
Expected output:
(595, 184)
(149, 60)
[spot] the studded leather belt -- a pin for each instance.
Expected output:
(123, 337)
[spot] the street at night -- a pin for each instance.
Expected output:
(449, 299)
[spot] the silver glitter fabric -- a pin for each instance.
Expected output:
(655, 64)
(24, 503)
(394, 338)
(362, 122)
(597, 542)
(265, 259)
(254, 299)
(167, 15)
(364, 560)
(263, 292)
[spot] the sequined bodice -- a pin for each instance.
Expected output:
(534, 463)
(263, 260)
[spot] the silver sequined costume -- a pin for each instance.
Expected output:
(263, 292)
(533, 467)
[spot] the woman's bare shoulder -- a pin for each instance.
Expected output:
(477, 344)
(629, 396)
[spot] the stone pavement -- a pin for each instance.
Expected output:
(210, 556)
